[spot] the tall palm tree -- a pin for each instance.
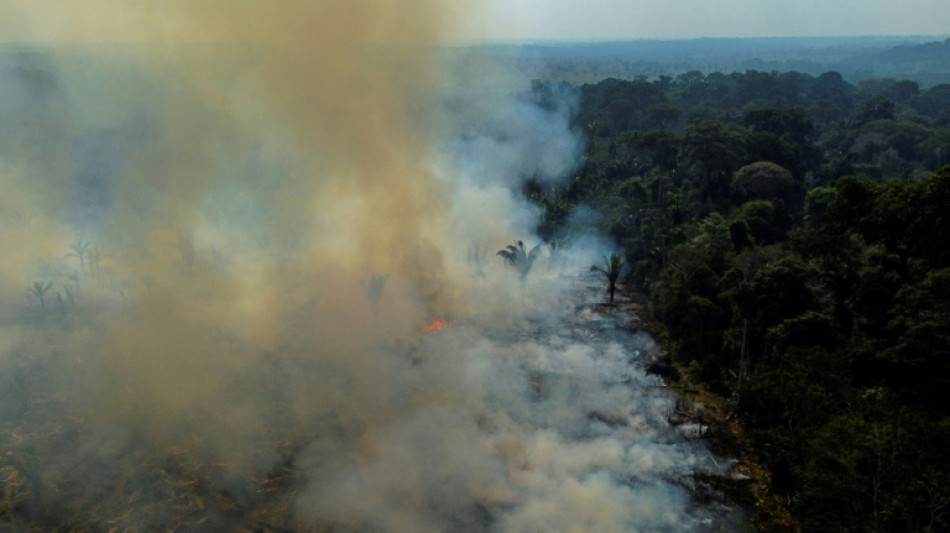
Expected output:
(39, 289)
(613, 267)
(79, 249)
(519, 257)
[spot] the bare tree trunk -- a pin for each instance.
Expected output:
(743, 360)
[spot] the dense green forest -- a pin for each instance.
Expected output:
(791, 232)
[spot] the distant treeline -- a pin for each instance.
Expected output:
(924, 59)
(791, 232)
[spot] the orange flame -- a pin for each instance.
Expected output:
(436, 325)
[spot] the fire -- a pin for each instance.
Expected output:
(436, 325)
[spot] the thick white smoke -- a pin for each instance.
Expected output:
(190, 337)
(502, 132)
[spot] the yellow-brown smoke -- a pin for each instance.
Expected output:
(215, 264)
(243, 170)
(337, 89)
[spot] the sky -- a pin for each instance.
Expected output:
(683, 19)
(505, 20)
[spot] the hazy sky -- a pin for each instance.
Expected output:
(640, 19)
(100, 20)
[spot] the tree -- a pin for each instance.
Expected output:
(817, 201)
(79, 249)
(713, 239)
(918, 320)
(662, 147)
(852, 205)
(767, 225)
(613, 267)
(39, 289)
(792, 124)
(763, 180)
(710, 152)
(877, 107)
(832, 97)
(519, 257)
(663, 115)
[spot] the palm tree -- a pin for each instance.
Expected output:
(79, 249)
(39, 289)
(519, 257)
(613, 266)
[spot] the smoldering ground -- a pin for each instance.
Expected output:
(195, 202)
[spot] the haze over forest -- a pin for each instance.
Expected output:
(920, 58)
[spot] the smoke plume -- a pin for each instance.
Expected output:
(226, 225)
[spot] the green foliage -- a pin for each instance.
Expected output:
(793, 124)
(763, 180)
(766, 224)
(817, 202)
(791, 233)
(710, 153)
(79, 250)
(877, 107)
(612, 269)
(39, 290)
(614, 106)
(714, 237)
(517, 256)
